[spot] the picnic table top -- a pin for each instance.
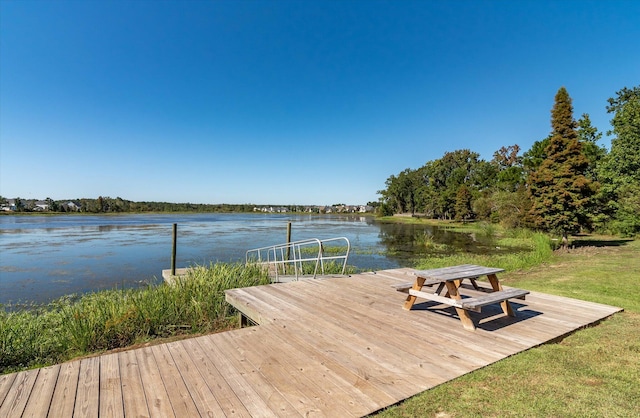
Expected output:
(464, 271)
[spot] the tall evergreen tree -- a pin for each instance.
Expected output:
(558, 187)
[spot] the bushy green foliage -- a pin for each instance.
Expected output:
(433, 188)
(117, 318)
(385, 209)
(620, 171)
(627, 217)
(588, 135)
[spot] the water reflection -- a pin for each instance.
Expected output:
(410, 242)
(45, 257)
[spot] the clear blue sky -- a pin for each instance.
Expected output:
(288, 102)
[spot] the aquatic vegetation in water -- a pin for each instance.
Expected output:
(425, 240)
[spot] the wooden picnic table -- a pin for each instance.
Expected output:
(451, 278)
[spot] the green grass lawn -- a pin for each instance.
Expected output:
(594, 372)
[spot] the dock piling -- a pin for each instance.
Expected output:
(173, 250)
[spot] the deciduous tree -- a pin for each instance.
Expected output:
(510, 175)
(620, 171)
(588, 135)
(463, 204)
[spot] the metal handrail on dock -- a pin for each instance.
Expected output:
(288, 259)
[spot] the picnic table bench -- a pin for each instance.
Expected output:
(451, 278)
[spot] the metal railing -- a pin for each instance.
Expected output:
(304, 258)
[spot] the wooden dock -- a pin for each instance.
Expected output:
(170, 278)
(333, 347)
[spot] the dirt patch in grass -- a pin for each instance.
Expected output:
(587, 250)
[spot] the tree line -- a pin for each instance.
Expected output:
(119, 205)
(565, 183)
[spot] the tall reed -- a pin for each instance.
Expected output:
(117, 318)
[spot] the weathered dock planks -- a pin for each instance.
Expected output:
(332, 347)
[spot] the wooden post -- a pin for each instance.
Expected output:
(173, 250)
(288, 241)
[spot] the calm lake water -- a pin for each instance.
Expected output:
(45, 257)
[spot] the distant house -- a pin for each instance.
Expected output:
(10, 206)
(71, 206)
(316, 209)
(271, 209)
(41, 206)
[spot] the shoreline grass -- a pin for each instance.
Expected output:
(95, 322)
(593, 372)
(537, 247)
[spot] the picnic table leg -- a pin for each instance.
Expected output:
(452, 290)
(417, 285)
(505, 305)
(457, 283)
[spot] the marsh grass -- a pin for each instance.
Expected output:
(538, 249)
(426, 241)
(330, 267)
(71, 327)
(326, 250)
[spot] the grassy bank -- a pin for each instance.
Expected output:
(516, 248)
(592, 373)
(537, 249)
(72, 327)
